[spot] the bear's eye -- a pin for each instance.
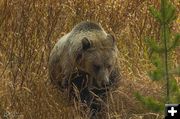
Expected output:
(96, 67)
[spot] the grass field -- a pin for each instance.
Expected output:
(30, 28)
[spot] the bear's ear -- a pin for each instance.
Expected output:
(112, 39)
(86, 43)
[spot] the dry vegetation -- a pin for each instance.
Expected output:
(30, 28)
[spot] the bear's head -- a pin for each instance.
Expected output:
(97, 58)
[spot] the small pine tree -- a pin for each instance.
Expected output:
(160, 57)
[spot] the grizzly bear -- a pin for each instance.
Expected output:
(85, 58)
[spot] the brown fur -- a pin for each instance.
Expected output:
(88, 49)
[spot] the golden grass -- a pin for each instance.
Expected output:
(28, 31)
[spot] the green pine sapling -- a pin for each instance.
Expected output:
(160, 57)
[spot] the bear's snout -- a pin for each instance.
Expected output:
(102, 80)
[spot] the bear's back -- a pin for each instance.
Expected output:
(91, 30)
(87, 26)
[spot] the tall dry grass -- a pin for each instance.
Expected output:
(30, 28)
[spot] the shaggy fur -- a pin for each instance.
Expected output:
(85, 58)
